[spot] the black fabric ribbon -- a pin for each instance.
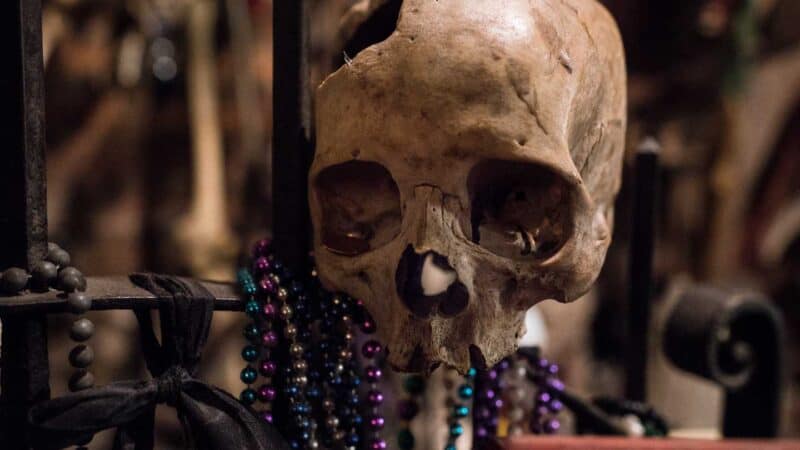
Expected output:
(212, 419)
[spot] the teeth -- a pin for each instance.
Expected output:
(435, 280)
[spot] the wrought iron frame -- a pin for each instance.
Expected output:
(24, 371)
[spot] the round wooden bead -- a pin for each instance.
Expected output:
(44, 274)
(78, 303)
(58, 256)
(71, 279)
(81, 357)
(82, 330)
(13, 280)
(81, 380)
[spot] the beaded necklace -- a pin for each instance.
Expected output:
(300, 341)
(319, 384)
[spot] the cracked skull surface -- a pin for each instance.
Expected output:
(466, 169)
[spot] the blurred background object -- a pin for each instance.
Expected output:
(159, 121)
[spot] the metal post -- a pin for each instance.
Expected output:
(292, 135)
(24, 377)
(640, 268)
(292, 148)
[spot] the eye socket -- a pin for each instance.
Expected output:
(360, 205)
(519, 211)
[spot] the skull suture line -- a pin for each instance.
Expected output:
(484, 138)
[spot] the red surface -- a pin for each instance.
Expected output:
(574, 443)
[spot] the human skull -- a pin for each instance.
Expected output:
(466, 169)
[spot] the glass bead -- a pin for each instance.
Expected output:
(456, 430)
(300, 365)
(262, 264)
(296, 288)
(378, 444)
(270, 339)
(555, 384)
(300, 380)
(286, 312)
(371, 348)
(269, 311)
(555, 406)
(262, 247)
(251, 308)
(465, 391)
(377, 422)
(296, 350)
(543, 398)
(266, 416)
(375, 397)
(268, 368)
(266, 393)
(251, 331)
(450, 447)
(368, 326)
(248, 396)
(249, 288)
(282, 294)
(353, 439)
(405, 439)
(290, 332)
(460, 411)
(267, 285)
(249, 353)
(248, 375)
(472, 372)
(552, 426)
(373, 374)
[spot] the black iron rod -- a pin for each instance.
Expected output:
(292, 150)
(292, 134)
(640, 269)
(24, 375)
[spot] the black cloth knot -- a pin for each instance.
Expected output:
(211, 418)
(169, 384)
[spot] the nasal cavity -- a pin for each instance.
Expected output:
(428, 285)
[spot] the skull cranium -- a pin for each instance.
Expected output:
(466, 169)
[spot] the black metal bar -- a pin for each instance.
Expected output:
(23, 213)
(292, 133)
(640, 268)
(734, 339)
(114, 293)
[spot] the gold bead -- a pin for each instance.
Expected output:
(332, 422)
(290, 332)
(296, 350)
(282, 294)
(300, 365)
(286, 312)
